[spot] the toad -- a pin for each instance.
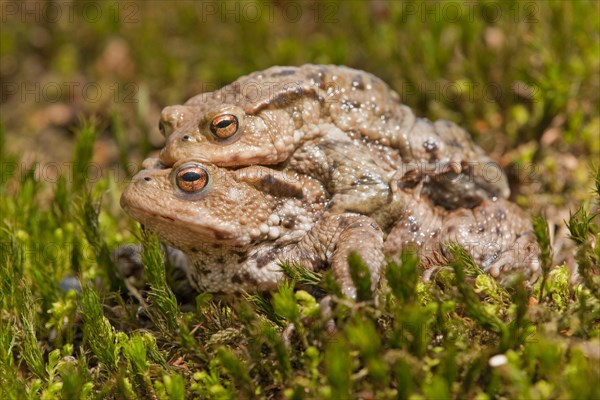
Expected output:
(236, 226)
(346, 119)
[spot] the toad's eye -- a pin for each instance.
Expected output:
(224, 126)
(192, 179)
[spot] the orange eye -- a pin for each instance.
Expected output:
(192, 179)
(224, 126)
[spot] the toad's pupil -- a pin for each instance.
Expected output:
(191, 176)
(225, 123)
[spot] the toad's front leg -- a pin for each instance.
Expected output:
(355, 180)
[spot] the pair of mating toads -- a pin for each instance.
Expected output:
(307, 164)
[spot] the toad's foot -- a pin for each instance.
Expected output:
(498, 235)
(337, 236)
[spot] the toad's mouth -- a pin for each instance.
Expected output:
(169, 219)
(166, 226)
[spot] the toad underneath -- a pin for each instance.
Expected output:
(235, 227)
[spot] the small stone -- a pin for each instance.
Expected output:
(498, 360)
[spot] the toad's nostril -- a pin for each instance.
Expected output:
(185, 138)
(147, 178)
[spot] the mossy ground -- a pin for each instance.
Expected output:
(522, 77)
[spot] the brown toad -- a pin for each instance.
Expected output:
(236, 226)
(342, 117)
